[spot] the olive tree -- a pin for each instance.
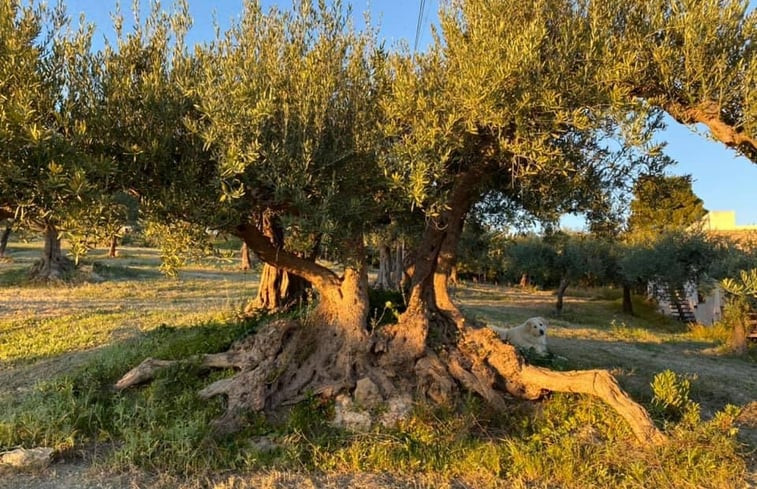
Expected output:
(48, 182)
(301, 116)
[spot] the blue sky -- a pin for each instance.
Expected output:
(722, 179)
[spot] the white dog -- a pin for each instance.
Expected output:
(531, 334)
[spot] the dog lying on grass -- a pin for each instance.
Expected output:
(531, 334)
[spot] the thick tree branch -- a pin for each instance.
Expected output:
(708, 113)
(321, 277)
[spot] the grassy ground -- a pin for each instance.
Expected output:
(63, 346)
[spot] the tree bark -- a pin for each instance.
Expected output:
(112, 252)
(53, 265)
(398, 265)
(246, 259)
(709, 114)
(446, 264)
(384, 279)
(4, 240)
(279, 288)
(738, 342)
(561, 293)
(530, 382)
(627, 303)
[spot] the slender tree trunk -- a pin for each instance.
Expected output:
(384, 279)
(53, 265)
(525, 280)
(4, 240)
(429, 304)
(246, 258)
(398, 265)
(446, 265)
(627, 303)
(112, 252)
(561, 293)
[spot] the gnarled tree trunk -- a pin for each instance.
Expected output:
(53, 265)
(328, 352)
(279, 289)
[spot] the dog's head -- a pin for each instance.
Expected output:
(537, 326)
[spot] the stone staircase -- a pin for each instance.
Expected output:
(679, 306)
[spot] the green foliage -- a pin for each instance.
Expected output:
(46, 175)
(695, 60)
(562, 259)
(178, 241)
(671, 398)
(745, 287)
(663, 203)
(670, 261)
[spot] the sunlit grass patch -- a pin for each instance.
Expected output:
(81, 407)
(716, 333)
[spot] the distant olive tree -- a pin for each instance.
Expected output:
(744, 300)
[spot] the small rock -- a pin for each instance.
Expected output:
(22, 458)
(264, 444)
(367, 393)
(398, 409)
(346, 417)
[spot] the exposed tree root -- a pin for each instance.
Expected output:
(529, 382)
(287, 361)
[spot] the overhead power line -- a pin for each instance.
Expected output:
(419, 25)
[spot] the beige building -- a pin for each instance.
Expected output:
(724, 221)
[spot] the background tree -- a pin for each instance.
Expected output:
(46, 181)
(663, 208)
(663, 203)
(673, 262)
(743, 302)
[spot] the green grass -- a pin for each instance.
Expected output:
(564, 441)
